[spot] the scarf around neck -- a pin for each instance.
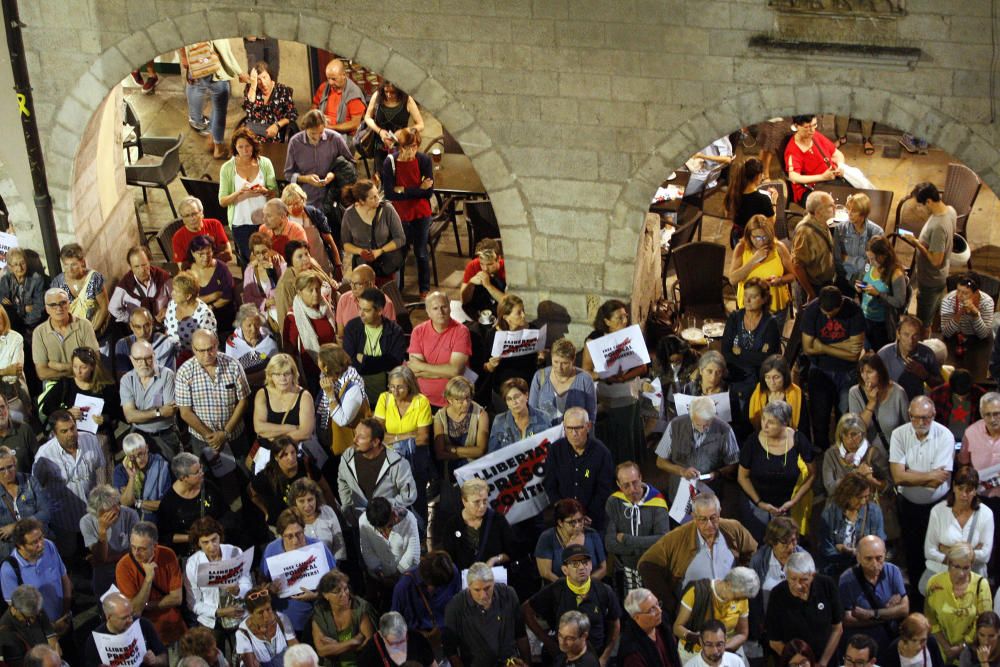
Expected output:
(304, 315)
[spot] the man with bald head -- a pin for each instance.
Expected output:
(212, 393)
(120, 617)
(921, 456)
(147, 394)
(53, 341)
(439, 349)
(361, 278)
(279, 228)
(873, 594)
(340, 99)
(141, 322)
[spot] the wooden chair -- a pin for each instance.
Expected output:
(961, 188)
(701, 278)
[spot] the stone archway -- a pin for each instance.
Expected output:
(312, 29)
(752, 106)
(20, 216)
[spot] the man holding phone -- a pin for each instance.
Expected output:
(933, 250)
(310, 156)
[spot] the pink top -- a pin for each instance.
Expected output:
(982, 449)
(437, 348)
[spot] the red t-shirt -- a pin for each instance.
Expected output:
(183, 237)
(437, 348)
(408, 176)
(355, 108)
(474, 267)
(810, 163)
(293, 232)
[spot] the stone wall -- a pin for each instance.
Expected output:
(572, 112)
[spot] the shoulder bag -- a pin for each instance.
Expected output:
(389, 262)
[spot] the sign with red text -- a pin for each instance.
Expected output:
(7, 241)
(518, 343)
(618, 352)
(225, 572)
(515, 475)
(298, 570)
(125, 650)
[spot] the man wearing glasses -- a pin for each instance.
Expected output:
(644, 640)
(147, 395)
(362, 278)
(580, 466)
(713, 648)
(576, 591)
(25, 625)
(53, 341)
(196, 224)
(921, 456)
(861, 651)
(118, 612)
(981, 449)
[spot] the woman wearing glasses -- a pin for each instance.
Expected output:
(781, 540)
(849, 515)
(572, 527)
(760, 255)
(341, 622)
(263, 636)
(219, 609)
(22, 497)
(955, 598)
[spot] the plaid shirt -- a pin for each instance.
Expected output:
(213, 400)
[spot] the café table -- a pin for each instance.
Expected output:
(456, 181)
(680, 180)
(881, 200)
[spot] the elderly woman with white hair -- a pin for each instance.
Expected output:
(142, 477)
(776, 471)
(477, 533)
(394, 644)
(955, 598)
(729, 599)
(106, 528)
(642, 633)
(251, 343)
(805, 606)
(697, 444)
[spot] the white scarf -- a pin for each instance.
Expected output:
(304, 315)
(858, 456)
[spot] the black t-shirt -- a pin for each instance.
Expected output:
(176, 515)
(588, 659)
(368, 470)
(848, 322)
(755, 203)
(600, 605)
(774, 476)
(17, 638)
(812, 620)
(276, 499)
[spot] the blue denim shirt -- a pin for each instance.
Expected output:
(31, 501)
(505, 431)
(154, 486)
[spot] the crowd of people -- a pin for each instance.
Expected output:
(155, 423)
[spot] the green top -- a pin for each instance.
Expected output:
(227, 180)
(323, 617)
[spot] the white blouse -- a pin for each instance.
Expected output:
(203, 601)
(943, 528)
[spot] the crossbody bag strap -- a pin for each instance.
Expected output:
(866, 588)
(378, 211)
(423, 598)
(156, 587)
(881, 433)
(822, 154)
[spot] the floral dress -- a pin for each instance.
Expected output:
(261, 114)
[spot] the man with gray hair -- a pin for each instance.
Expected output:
(141, 323)
(813, 257)
(574, 649)
(43, 655)
(698, 445)
(644, 640)
(706, 547)
(196, 224)
(24, 625)
(921, 458)
(142, 478)
(483, 625)
(106, 528)
(637, 517)
(805, 606)
(150, 577)
(301, 655)
(279, 228)
(581, 467)
(53, 341)
(120, 617)
(147, 395)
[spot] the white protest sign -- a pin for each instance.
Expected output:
(89, 406)
(7, 241)
(298, 570)
(499, 576)
(225, 572)
(619, 351)
(989, 478)
(518, 343)
(124, 650)
(514, 474)
(681, 505)
(655, 395)
(722, 408)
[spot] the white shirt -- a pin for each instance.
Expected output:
(714, 564)
(398, 553)
(729, 659)
(68, 480)
(203, 601)
(943, 528)
(264, 651)
(936, 451)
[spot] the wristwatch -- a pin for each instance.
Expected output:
(158, 412)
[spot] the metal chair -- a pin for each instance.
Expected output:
(207, 192)
(165, 238)
(481, 221)
(961, 188)
(131, 119)
(700, 267)
(160, 171)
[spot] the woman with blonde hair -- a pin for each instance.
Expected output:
(322, 245)
(186, 313)
(406, 415)
(563, 385)
(955, 598)
(408, 182)
(760, 255)
(281, 406)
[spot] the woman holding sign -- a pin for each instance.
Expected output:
(219, 608)
(89, 383)
(499, 369)
(520, 421)
(618, 421)
(265, 635)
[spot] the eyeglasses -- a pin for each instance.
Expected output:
(578, 563)
(57, 304)
(145, 360)
(760, 238)
(257, 595)
(921, 418)
(575, 429)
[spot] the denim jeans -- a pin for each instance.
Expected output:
(416, 236)
(827, 396)
(218, 92)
